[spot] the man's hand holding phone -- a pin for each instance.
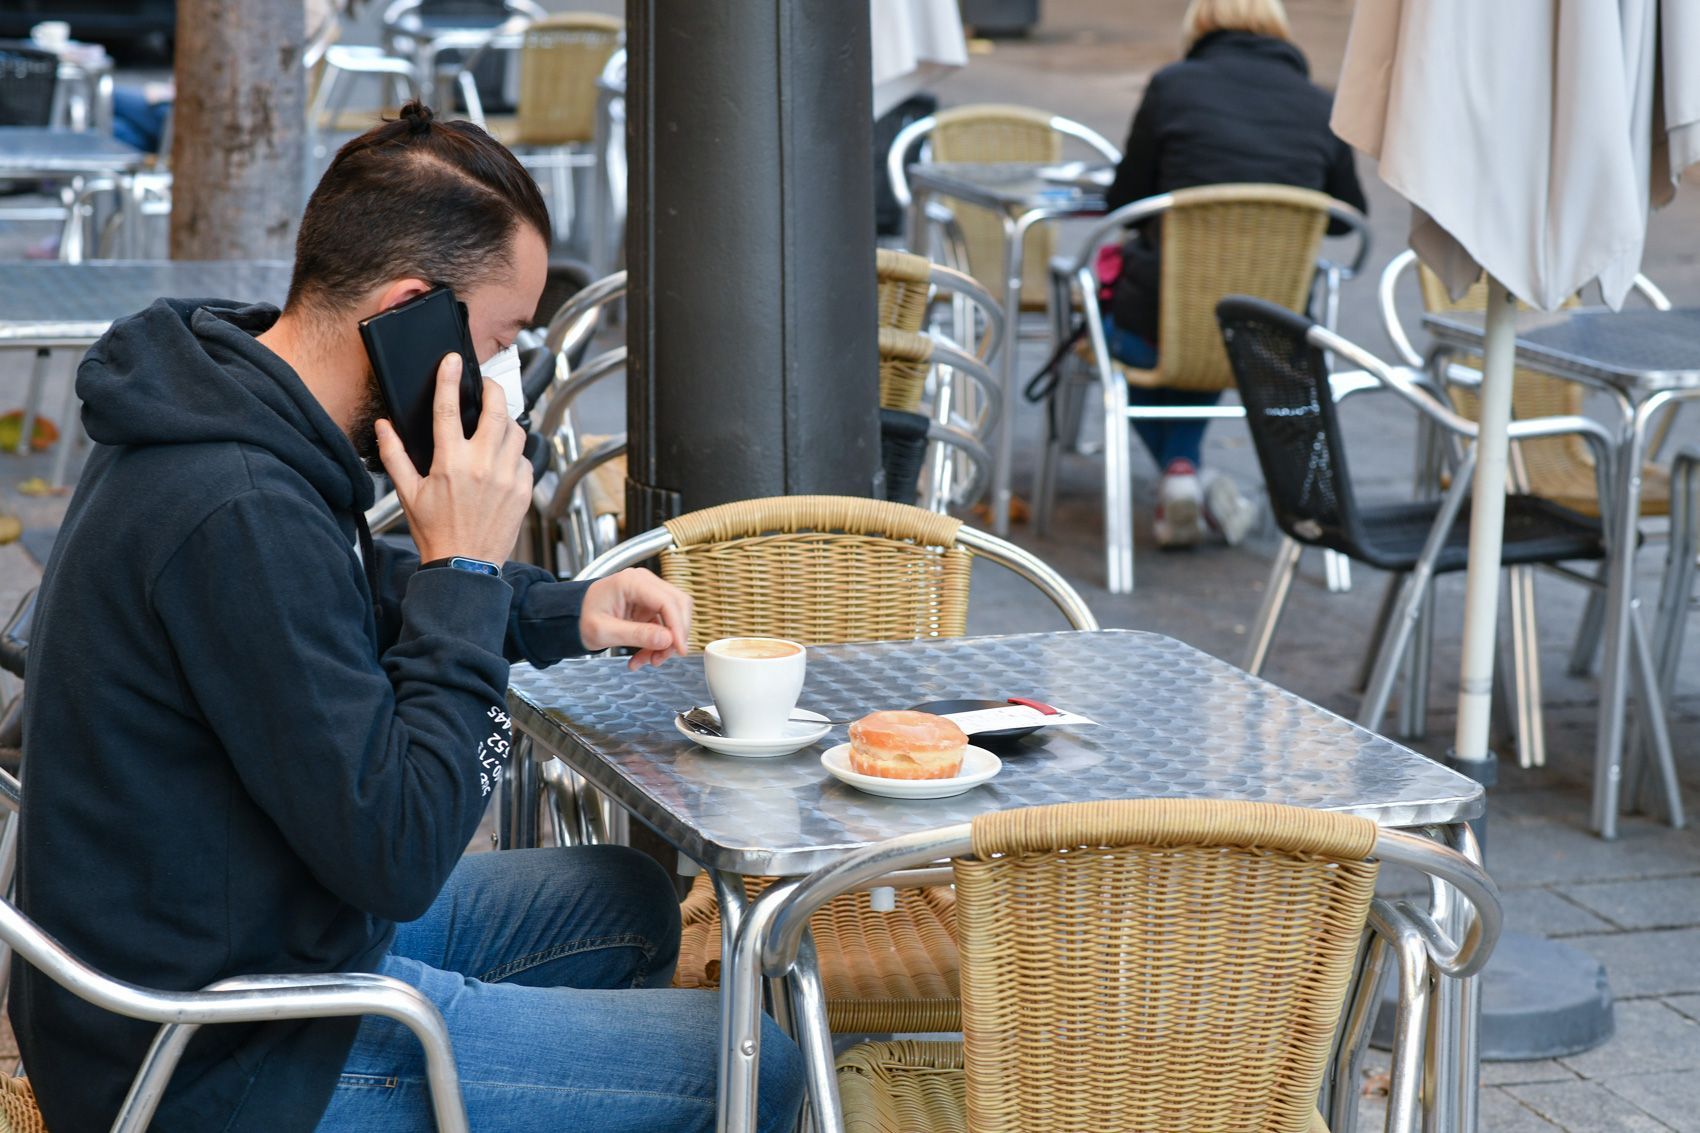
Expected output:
(474, 500)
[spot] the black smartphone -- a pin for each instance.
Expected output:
(406, 344)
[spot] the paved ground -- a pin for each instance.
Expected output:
(1634, 903)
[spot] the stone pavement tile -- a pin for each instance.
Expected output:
(1672, 902)
(1547, 913)
(1673, 1096)
(1559, 849)
(1650, 1037)
(1500, 1112)
(1647, 963)
(1581, 1107)
(1523, 1073)
(1689, 1005)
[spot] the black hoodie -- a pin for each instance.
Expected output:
(250, 751)
(1239, 107)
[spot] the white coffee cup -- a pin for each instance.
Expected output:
(51, 34)
(755, 682)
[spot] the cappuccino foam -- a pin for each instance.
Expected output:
(755, 649)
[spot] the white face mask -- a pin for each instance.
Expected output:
(503, 369)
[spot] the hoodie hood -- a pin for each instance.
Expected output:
(192, 372)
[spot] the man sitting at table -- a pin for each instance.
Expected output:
(259, 742)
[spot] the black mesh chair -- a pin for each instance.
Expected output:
(28, 76)
(1278, 362)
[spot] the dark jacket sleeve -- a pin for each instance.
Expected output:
(375, 768)
(1136, 176)
(1343, 184)
(542, 618)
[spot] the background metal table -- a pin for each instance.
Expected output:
(40, 151)
(1647, 362)
(1021, 197)
(1173, 722)
(48, 306)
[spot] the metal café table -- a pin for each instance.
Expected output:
(1647, 362)
(1172, 722)
(52, 154)
(56, 306)
(1021, 197)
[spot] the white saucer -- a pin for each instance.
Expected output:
(978, 766)
(798, 735)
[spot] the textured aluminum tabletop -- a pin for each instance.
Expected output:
(1013, 186)
(53, 303)
(40, 150)
(1172, 722)
(1639, 352)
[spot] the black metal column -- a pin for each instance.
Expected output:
(750, 237)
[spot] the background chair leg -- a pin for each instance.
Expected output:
(1393, 647)
(1275, 591)
(1526, 669)
(1377, 633)
(1413, 708)
(1590, 629)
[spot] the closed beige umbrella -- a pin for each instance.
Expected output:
(1531, 137)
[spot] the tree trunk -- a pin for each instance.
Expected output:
(239, 129)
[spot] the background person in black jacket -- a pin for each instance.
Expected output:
(259, 742)
(1239, 107)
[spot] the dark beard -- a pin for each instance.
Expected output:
(363, 430)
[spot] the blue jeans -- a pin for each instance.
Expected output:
(138, 122)
(1165, 440)
(551, 968)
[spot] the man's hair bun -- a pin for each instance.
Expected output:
(417, 116)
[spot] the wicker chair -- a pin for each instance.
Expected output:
(1149, 964)
(554, 126)
(1259, 240)
(990, 133)
(820, 569)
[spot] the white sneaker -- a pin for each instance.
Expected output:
(1229, 511)
(1179, 521)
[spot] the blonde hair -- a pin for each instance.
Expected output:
(1260, 17)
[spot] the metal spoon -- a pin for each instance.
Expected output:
(704, 722)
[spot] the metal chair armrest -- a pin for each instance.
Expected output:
(14, 638)
(1386, 296)
(1453, 958)
(269, 998)
(633, 551)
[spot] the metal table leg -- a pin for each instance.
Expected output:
(1620, 591)
(740, 1013)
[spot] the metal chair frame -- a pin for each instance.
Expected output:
(773, 943)
(1075, 278)
(952, 245)
(1400, 617)
(242, 999)
(1530, 738)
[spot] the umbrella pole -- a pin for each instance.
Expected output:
(1487, 528)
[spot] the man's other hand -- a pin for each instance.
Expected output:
(636, 610)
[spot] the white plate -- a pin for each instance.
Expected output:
(978, 766)
(799, 734)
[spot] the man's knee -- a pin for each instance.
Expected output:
(646, 891)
